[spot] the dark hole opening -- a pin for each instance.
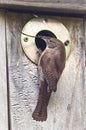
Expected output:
(41, 43)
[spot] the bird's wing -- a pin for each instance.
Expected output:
(51, 76)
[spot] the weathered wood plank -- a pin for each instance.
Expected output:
(85, 48)
(73, 6)
(3, 80)
(66, 110)
(85, 69)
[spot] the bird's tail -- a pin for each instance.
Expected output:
(40, 112)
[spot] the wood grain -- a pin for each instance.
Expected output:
(85, 69)
(72, 6)
(66, 110)
(3, 79)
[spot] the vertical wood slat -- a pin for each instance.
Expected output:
(3, 80)
(85, 72)
(85, 48)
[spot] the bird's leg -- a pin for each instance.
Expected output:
(40, 112)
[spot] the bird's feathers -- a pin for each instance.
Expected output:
(50, 67)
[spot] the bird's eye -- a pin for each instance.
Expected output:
(50, 41)
(26, 39)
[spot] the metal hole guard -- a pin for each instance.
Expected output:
(35, 26)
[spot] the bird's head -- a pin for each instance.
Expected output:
(52, 42)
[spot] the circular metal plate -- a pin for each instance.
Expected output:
(33, 27)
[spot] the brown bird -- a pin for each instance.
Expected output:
(50, 67)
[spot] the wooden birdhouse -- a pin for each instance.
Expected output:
(19, 88)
